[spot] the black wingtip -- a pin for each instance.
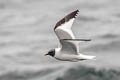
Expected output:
(77, 10)
(78, 39)
(74, 13)
(67, 18)
(87, 40)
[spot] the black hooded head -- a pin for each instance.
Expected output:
(51, 52)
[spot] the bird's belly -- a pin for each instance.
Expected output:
(65, 57)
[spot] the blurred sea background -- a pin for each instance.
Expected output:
(26, 34)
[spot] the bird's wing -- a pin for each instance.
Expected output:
(71, 46)
(63, 27)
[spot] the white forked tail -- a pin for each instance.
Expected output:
(87, 57)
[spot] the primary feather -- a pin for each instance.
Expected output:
(63, 27)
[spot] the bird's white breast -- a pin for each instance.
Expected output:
(64, 56)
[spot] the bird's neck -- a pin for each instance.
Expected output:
(57, 50)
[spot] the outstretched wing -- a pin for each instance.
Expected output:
(63, 27)
(71, 46)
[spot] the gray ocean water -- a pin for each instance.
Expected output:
(26, 33)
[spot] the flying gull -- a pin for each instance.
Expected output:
(69, 46)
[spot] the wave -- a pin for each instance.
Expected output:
(90, 73)
(82, 72)
(109, 36)
(27, 75)
(87, 19)
(112, 46)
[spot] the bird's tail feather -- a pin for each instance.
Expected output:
(87, 57)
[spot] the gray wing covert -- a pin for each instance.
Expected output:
(72, 45)
(68, 47)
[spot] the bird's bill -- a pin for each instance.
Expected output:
(45, 54)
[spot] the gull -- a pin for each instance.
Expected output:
(69, 46)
